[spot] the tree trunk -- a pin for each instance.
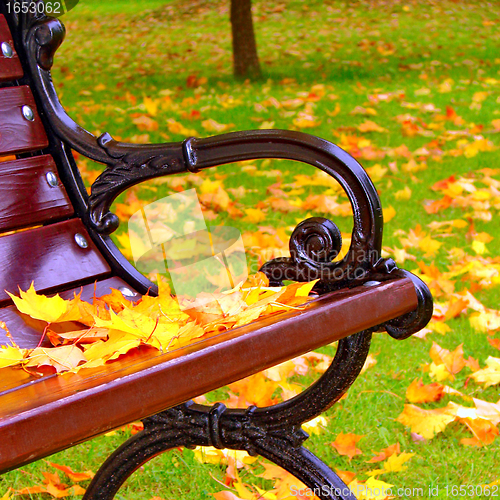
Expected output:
(245, 58)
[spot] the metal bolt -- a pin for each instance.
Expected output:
(126, 292)
(371, 283)
(28, 113)
(81, 241)
(7, 50)
(51, 179)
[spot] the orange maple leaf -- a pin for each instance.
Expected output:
(385, 453)
(454, 361)
(484, 432)
(345, 444)
(418, 392)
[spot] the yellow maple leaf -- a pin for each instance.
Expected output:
(427, 423)
(389, 213)
(316, 425)
(116, 345)
(49, 309)
(395, 462)
(254, 215)
(404, 194)
(454, 361)
(489, 375)
(11, 356)
(376, 172)
(429, 246)
(485, 320)
(439, 372)
(151, 105)
(490, 411)
(7, 495)
(372, 489)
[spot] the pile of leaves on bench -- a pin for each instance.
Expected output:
(87, 335)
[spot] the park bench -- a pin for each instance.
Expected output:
(54, 234)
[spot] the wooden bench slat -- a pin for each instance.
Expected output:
(10, 67)
(26, 198)
(17, 134)
(50, 257)
(51, 414)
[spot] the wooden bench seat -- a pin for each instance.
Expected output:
(41, 416)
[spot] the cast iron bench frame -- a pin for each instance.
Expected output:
(360, 294)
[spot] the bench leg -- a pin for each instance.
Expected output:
(274, 432)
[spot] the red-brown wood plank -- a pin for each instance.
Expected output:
(56, 412)
(50, 257)
(17, 134)
(10, 67)
(26, 197)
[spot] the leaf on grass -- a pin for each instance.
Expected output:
(484, 432)
(393, 464)
(389, 213)
(371, 126)
(385, 453)
(76, 477)
(426, 423)
(372, 489)
(453, 361)
(489, 375)
(369, 362)
(346, 475)
(345, 444)
(284, 483)
(316, 425)
(490, 411)
(52, 485)
(254, 390)
(418, 392)
(494, 343)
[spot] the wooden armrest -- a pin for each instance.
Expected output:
(43, 416)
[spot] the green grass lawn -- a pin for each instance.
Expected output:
(411, 68)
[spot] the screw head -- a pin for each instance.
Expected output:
(7, 50)
(81, 240)
(371, 283)
(28, 113)
(51, 179)
(126, 292)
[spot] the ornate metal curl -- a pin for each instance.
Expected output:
(274, 432)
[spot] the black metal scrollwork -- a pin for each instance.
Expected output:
(274, 432)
